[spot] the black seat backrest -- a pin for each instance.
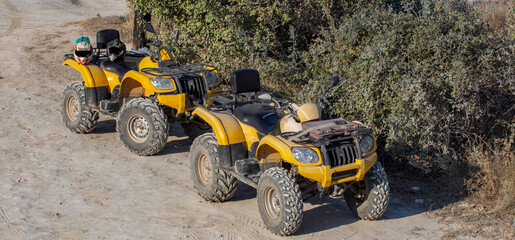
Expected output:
(245, 80)
(106, 35)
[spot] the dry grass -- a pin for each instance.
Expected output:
(497, 13)
(494, 185)
(473, 221)
(120, 23)
(489, 211)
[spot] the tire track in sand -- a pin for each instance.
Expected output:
(7, 221)
(15, 17)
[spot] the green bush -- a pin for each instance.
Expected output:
(434, 80)
(270, 36)
(236, 34)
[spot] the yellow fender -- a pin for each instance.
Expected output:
(283, 147)
(134, 79)
(147, 62)
(226, 127)
(176, 101)
(92, 74)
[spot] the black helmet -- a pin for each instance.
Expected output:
(116, 50)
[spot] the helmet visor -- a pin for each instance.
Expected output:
(83, 53)
(115, 51)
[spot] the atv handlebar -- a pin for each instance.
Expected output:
(293, 110)
(158, 43)
(154, 42)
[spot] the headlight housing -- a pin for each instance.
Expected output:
(162, 83)
(211, 78)
(366, 144)
(305, 155)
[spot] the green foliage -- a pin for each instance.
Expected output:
(434, 81)
(430, 77)
(269, 36)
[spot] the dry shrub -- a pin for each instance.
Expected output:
(510, 20)
(494, 184)
(489, 211)
(495, 12)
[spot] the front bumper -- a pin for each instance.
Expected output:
(328, 176)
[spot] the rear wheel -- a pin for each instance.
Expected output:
(280, 201)
(369, 198)
(142, 127)
(212, 183)
(77, 116)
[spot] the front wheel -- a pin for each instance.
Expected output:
(280, 201)
(212, 183)
(142, 127)
(369, 198)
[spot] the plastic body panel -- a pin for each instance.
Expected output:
(92, 74)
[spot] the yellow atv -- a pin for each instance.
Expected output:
(144, 92)
(284, 151)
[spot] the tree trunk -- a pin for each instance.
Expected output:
(138, 33)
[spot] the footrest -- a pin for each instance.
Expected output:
(247, 166)
(110, 105)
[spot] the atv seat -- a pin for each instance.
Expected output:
(261, 116)
(104, 36)
(118, 68)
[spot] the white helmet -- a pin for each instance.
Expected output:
(82, 52)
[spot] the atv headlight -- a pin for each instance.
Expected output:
(305, 155)
(211, 78)
(366, 144)
(162, 83)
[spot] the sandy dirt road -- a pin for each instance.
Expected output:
(55, 184)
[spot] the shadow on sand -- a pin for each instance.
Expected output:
(178, 142)
(105, 126)
(329, 213)
(333, 212)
